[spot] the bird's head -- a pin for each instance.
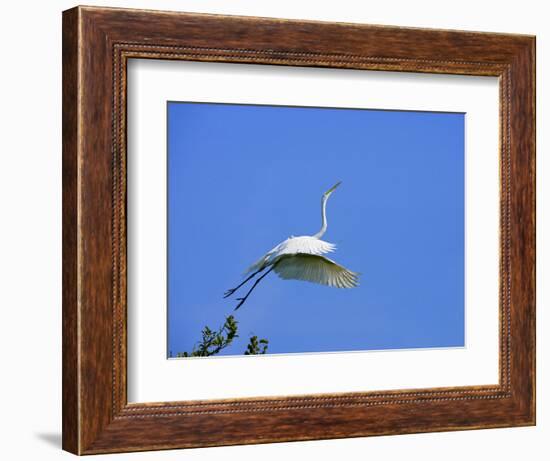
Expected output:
(331, 190)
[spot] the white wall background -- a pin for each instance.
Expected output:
(30, 229)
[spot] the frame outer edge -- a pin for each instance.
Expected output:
(523, 245)
(534, 212)
(70, 178)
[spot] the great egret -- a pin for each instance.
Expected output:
(300, 258)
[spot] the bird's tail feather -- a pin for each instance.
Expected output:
(256, 266)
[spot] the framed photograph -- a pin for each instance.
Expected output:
(281, 230)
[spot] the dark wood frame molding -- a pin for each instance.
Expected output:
(97, 43)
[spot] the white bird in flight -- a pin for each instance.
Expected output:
(300, 258)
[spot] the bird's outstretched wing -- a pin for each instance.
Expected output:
(292, 245)
(316, 269)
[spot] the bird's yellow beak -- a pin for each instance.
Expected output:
(333, 188)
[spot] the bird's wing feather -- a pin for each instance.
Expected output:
(316, 269)
(303, 244)
(306, 244)
(292, 245)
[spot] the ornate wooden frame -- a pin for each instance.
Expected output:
(97, 43)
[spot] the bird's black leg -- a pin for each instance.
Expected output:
(233, 290)
(242, 300)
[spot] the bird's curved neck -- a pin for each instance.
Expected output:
(323, 218)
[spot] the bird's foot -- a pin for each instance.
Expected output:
(229, 292)
(241, 301)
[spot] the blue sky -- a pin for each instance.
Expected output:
(243, 178)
